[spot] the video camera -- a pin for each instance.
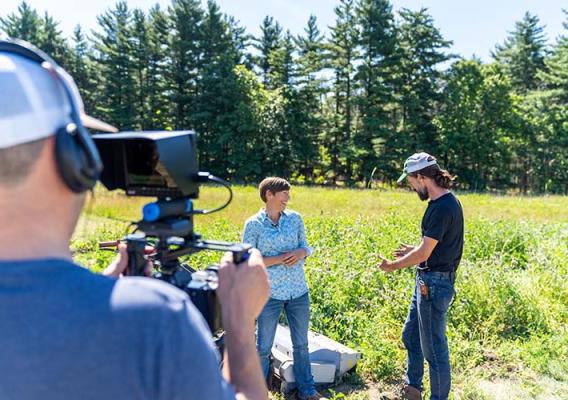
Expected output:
(164, 165)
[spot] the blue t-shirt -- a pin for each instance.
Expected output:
(66, 333)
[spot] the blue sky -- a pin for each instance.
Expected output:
(475, 26)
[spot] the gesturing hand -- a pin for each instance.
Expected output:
(385, 264)
(403, 250)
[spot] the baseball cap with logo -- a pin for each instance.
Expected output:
(416, 162)
(33, 102)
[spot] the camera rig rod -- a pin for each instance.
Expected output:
(168, 258)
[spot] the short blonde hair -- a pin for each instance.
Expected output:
(274, 184)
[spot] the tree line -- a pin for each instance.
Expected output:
(344, 108)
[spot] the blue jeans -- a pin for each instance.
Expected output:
(298, 315)
(424, 334)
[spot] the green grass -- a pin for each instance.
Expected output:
(508, 327)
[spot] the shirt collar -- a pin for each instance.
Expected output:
(439, 198)
(264, 215)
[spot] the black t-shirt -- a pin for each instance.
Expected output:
(443, 221)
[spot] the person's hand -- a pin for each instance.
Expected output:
(118, 266)
(243, 290)
(292, 257)
(403, 250)
(386, 265)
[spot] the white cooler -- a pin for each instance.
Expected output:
(329, 359)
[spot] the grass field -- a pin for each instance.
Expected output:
(508, 327)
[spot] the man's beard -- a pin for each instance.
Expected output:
(423, 194)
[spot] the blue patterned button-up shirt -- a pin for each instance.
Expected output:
(289, 234)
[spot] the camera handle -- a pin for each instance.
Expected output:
(135, 246)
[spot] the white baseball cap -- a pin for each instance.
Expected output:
(416, 162)
(33, 101)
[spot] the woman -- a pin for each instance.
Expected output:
(280, 236)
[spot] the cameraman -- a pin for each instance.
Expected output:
(68, 333)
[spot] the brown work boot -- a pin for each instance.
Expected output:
(411, 393)
(315, 396)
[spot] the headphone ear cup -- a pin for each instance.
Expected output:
(73, 161)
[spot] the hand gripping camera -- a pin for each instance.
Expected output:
(164, 165)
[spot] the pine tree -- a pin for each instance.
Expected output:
(551, 113)
(310, 51)
(52, 42)
(82, 69)
(218, 99)
(522, 57)
(140, 57)
(26, 24)
(266, 44)
(421, 47)
(282, 73)
(241, 40)
(186, 22)
(159, 60)
(310, 87)
(44, 32)
(555, 73)
(376, 76)
(290, 135)
(113, 54)
(342, 54)
(522, 54)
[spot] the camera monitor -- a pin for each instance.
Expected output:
(158, 164)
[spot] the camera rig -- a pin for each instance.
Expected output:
(164, 165)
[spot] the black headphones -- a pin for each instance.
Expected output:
(77, 157)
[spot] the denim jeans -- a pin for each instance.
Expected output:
(424, 335)
(298, 315)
